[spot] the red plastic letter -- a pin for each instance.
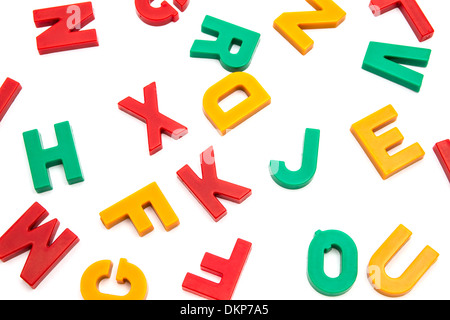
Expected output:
(157, 123)
(66, 22)
(159, 16)
(229, 270)
(442, 150)
(412, 12)
(26, 234)
(209, 187)
(181, 4)
(8, 92)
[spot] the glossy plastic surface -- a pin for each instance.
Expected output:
(8, 93)
(157, 123)
(386, 60)
(227, 35)
(229, 270)
(40, 159)
(65, 32)
(395, 287)
(412, 12)
(377, 147)
(257, 99)
(209, 187)
(291, 24)
(132, 207)
(27, 235)
(302, 177)
(126, 272)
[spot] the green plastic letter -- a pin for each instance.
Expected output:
(41, 159)
(322, 243)
(227, 35)
(385, 60)
(302, 177)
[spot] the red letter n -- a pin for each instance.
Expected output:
(64, 33)
(209, 187)
(26, 234)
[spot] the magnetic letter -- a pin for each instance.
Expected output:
(157, 123)
(442, 151)
(412, 12)
(229, 270)
(45, 254)
(298, 179)
(133, 207)
(64, 33)
(207, 188)
(377, 147)
(159, 16)
(394, 287)
(40, 159)
(385, 60)
(126, 272)
(227, 35)
(257, 100)
(290, 24)
(8, 93)
(322, 243)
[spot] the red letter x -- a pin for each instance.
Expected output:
(157, 123)
(412, 12)
(66, 21)
(209, 187)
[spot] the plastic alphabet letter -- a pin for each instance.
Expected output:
(8, 93)
(377, 147)
(412, 12)
(257, 100)
(157, 123)
(229, 270)
(291, 24)
(159, 16)
(442, 151)
(206, 189)
(40, 159)
(322, 243)
(126, 272)
(45, 254)
(385, 60)
(133, 207)
(302, 177)
(227, 35)
(395, 287)
(181, 4)
(64, 34)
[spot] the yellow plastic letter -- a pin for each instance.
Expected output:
(100, 270)
(257, 99)
(133, 207)
(394, 287)
(377, 147)
(290, 24)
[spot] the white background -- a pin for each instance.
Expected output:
(326, 90)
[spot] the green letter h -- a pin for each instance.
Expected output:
(41, 159)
